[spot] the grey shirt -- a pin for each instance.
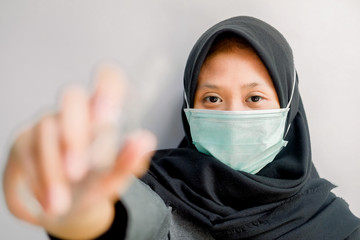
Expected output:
(149, 218)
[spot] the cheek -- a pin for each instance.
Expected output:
(197, 100)
(275, 102)
(197, 103)
(275, 105)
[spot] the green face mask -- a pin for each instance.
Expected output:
(243, 140)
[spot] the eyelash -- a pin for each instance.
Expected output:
(208, 99)
(254, 99)
(213, 100)
(251, 99)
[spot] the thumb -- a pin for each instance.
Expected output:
(132, 160)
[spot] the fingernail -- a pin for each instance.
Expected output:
(59, 200)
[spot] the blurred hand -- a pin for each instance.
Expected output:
(70, 165)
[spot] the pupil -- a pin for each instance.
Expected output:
(255, 98)
(213, 99)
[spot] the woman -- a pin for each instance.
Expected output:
(244, 168)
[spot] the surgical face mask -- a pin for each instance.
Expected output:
(243, 140)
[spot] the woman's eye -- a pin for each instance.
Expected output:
(254, 99)
(212, 99)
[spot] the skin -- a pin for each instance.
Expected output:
(50, 159)
(235, 80)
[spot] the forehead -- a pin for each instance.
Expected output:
(226, 42)
(234, 66)
(268, 43)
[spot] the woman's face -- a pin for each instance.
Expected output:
(235, 80)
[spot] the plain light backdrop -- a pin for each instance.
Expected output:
(45, 45)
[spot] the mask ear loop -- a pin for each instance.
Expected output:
(291, 97)
(186, 101)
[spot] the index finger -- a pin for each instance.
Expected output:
(75, 131)
(106, 111)
(108, 97)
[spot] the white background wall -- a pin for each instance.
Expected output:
(47, 44)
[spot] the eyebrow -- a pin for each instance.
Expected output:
(250, 85)
(212, 86)
(207, 85)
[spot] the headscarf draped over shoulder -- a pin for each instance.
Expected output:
(286, 199)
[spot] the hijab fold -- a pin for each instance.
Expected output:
(286, 199)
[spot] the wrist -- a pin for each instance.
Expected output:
(88, 224)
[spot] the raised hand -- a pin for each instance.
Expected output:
(66, 171)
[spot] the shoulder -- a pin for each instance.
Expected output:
(355, 235)
(147, 213)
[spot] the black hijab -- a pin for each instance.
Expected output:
(286, 199)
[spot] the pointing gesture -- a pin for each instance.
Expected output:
(65, 172)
